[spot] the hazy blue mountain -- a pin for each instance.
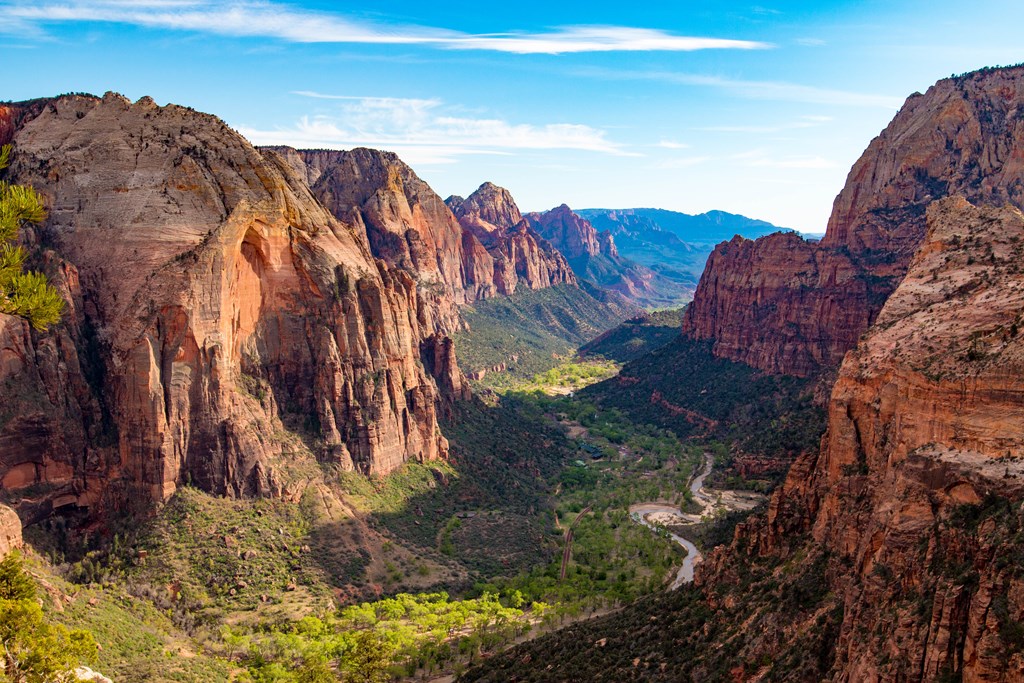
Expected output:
(671, 243)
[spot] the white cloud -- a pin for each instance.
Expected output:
(672, 144)
(424, 131)
(809, 121)
(755, 90)
(248, 18)
(683, 162)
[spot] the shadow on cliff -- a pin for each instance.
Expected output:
(482, 510)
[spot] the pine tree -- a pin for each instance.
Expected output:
(33, 650)
(28, 295)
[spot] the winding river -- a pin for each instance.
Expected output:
(641, 511)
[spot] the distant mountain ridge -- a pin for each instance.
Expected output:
(595, 256)
(708, 228)
(674, 245)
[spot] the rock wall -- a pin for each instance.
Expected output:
(594, 257)
(915, 496)
(225, 329)
(10, 530)
(518, 254)
(788, 306)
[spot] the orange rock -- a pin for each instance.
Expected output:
(790, 306)
(211, 297)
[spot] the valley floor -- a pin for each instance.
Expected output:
(435, 567)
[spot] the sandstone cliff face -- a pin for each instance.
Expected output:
(488, 209)
(10, 530)
(223, 322)
(787, 306)
(407, 224)
(915, 496)
(593, 256)
(519, 255)
(571, 234)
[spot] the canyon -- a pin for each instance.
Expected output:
(891, 552)
(251, 318)
(261, 323)
(238, 317)
(914, 495)
(787, 305)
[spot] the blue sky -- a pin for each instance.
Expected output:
(758, 109)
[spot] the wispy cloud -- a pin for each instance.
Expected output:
(246, 18)
(682, 162)
(810, 121)
(755, 90)
(672, 144)
(426, 131)
(762, 158)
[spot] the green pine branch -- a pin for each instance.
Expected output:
(25, 294)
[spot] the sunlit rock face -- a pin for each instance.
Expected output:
(789, 306)
(10, 530)
(224, 329)
(593, 255)
(520, 256)
(916, 493)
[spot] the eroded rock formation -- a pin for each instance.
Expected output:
(225, 328)
(519, 255)
(915, 497)
(594, 257)
(789, 306)
(10, 530)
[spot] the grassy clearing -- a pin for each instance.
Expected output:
(533, 330)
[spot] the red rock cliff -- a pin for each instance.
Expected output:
(915, 497)
(225, 328)
(593, 256)
(789, 306)
(519, 255)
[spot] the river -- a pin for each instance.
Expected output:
(640, 512)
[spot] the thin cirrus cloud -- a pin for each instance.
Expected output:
(426, 131)
(809, 121)
(762, 158)
(282, 22)
(755, 90)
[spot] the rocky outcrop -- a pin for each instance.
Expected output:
(10, 530)
(225, 329)
(408, 225)
(915, 497)
(519, 255)
(789, 306)
(488, 210)
(594, 257)
(571, 234)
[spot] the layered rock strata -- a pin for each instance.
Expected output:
(221, 323)
(790, 306)
(915, 497)
(592, 254)
(519, 255)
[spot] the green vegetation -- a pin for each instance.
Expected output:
(377, 641)
(684, 388)
(533, 329)
(35, 650)
(27, 294)
(680, 635)
(251, 588)
(636, 336)
(570, 376)
(615, 463)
